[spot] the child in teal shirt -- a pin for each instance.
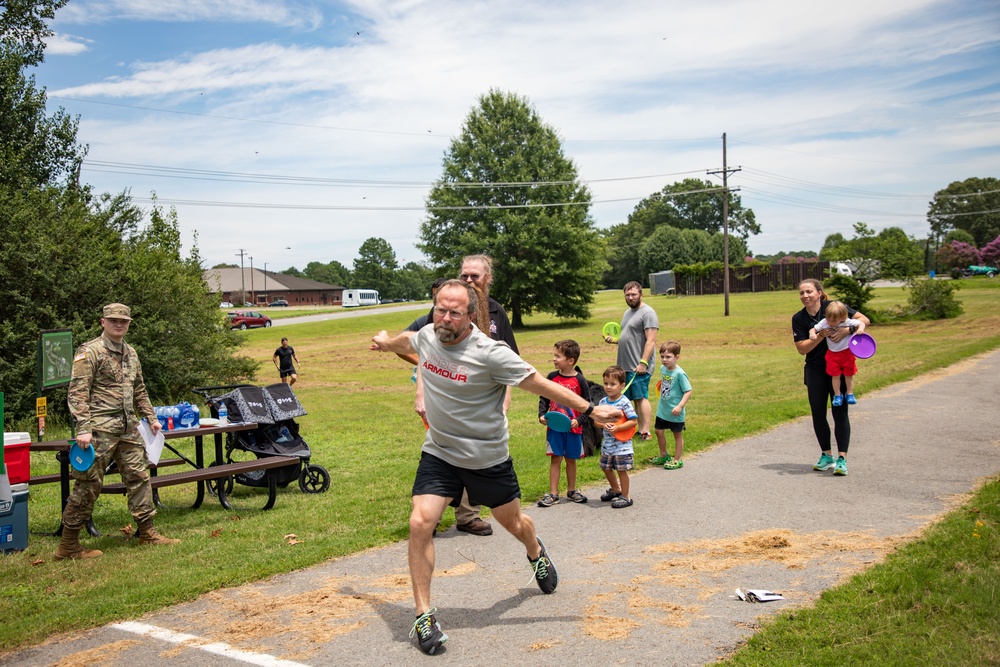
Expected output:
(675, 391)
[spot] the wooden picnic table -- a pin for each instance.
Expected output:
(199, 474)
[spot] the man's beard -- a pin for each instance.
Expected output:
(446, 334)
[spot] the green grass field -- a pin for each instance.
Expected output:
(744, 369)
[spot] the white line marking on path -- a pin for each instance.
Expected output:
(218, 648)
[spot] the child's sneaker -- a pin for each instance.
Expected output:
(548, 500)
(610, 495)
(576, 496)
(428, 631)
(659, 460)
(621, 503)
(838, 400)
(841, 468)
(852, 399)
(825, 462)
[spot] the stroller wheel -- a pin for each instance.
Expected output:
(213, 484)
(314, 479)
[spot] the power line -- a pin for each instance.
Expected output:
(324, 207)
(279, 179)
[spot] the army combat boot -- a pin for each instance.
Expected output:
(148, 535)
(70, 547)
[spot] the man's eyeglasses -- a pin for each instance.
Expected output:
(453, 314)
(466, 277)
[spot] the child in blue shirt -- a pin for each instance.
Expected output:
(675, 390)
(617, 456)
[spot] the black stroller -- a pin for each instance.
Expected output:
(273, 409)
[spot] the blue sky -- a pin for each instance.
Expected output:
(276, 128)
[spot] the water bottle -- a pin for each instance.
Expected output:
(187, 415)
(195, 416)
(223, 414)
(173, 418)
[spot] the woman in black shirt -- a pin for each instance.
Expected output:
(819, 385)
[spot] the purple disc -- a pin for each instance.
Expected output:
(862, 345)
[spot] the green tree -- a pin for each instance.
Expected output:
(66, 253)
(688, 204)
(412, 281)
(508, 190)
(332, 273)
(375, 266)
(225, 265)
(972, 205)
(292, 271)
(890, 254)
(832, 242)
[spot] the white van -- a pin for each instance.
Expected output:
(360, 297)
(841, 269)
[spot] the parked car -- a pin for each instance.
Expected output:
(247, 319)
(279, 303)
(226, 304)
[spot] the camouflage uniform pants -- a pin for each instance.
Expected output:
(133, 464)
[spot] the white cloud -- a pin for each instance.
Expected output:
(891, 97)
(240, 11)
(65, 45)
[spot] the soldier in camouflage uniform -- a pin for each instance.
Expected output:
(106, 390)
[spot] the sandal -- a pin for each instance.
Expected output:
(673, 465)
(645, 436)
(659, 460)
(548, 500)
(621, 502)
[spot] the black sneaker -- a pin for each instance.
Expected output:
(544, 571)
(610, 495)
(428, 632)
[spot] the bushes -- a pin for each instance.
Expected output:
(933, 299)
(851, 291)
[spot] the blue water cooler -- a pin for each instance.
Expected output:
(14, 520)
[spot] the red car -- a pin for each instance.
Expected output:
(247, 319)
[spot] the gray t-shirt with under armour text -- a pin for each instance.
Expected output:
(464, 388)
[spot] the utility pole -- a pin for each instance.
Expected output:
(253, 299)
(265, 282)
(725, 222)
(243, 281)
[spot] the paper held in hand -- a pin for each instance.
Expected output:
(154, 445)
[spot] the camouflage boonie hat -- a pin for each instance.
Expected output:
(118, 311)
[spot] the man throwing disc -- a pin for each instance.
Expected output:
(466, 374)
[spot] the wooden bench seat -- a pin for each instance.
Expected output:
(211, 472)
(55, 477)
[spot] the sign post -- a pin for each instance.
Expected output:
(55, 368)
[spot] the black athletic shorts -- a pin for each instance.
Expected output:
(285, 374)
(663, 425)
(493, 486)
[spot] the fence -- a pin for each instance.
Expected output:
(766, 278)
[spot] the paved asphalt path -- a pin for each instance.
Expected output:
(648, 585)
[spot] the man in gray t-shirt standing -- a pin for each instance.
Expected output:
(636, 347)
(466, 374)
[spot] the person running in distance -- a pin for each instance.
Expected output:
(282, 359)
(466, 374)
